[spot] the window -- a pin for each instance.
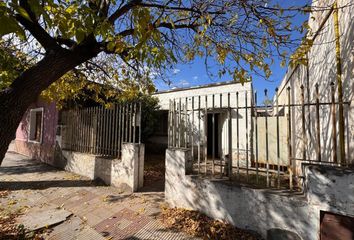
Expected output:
(36, 125)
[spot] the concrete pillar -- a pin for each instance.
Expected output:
(131, 169)
(178, 162)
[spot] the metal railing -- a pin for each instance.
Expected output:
(100, 130)
(232, 137)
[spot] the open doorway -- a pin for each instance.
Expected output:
(213, 134)
(155, 149)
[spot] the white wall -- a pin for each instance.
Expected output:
(206, 95)
(322, 70)
(327, 189)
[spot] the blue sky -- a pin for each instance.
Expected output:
(192, 74)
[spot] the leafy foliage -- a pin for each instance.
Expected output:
(137, 41)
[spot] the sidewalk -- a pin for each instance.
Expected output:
(78, 207)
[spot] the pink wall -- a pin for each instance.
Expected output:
(42, 151)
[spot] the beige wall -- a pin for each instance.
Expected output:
(322, 70)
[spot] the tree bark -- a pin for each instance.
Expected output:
(26, 89)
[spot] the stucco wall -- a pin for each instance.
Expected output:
(43, 151)
(206, 92)
(125, 173)
(322, 70)
(261, 210)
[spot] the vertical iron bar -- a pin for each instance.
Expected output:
(81, 124)
(179, 123)
(230, 136)
(213, 135)
(221, 157)
(266, 135)
(192, 129)
(88, 136)
(134, 125)
(246, 119)
(318, 126)
(174, 122)
(101, 129)
(256, 137)
(303, 121)
(130, 122)
(205, 134)
(111, 130)
(115, 130)
(289, 141)
(185, 123)
(106, 131)
(199, 134)
(334, 124)
(119, 129)
(252, 128)
(278, 147)
(126, 122)
(169, 125)
(140, 121)
(238, 136)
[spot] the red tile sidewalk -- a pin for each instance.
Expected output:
(99, 212)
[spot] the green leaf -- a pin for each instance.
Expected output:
(10, 25)
(80, 34)
(23, 13)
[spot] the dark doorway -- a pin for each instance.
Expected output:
(155, 149)
(213, 135)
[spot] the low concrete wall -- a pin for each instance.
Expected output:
(273, 214)
(126, 173)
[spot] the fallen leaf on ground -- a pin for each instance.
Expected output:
(199, 225)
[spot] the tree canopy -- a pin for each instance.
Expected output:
(136, 40)
(55, 47)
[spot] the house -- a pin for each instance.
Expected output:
(326, 76)
(296, 179)
(216, 98)
(36, 133)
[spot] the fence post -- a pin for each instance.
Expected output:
(213, 134)
(289, 141)
(199, 134)
(278, 147)
(334, 124)
(266, 135)
(205, 133)
(238, 136)
(303, 126)
(230, 136)
(256, 137)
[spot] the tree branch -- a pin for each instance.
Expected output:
(124, 9)
(35, 29)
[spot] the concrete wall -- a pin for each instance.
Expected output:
(126, 173)
(208, 91)
(322, 70)
(273, 214)
(43, 151)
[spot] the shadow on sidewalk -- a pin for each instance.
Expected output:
(38, 185)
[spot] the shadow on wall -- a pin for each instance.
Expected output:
(43, 150)
(263, 210)
(121, 173)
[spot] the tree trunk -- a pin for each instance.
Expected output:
(26, 89)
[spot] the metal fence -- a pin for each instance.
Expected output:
(231, 136)
(101, 131)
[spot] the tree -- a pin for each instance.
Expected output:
(142, 38)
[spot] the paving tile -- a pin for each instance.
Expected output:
(99, 212)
